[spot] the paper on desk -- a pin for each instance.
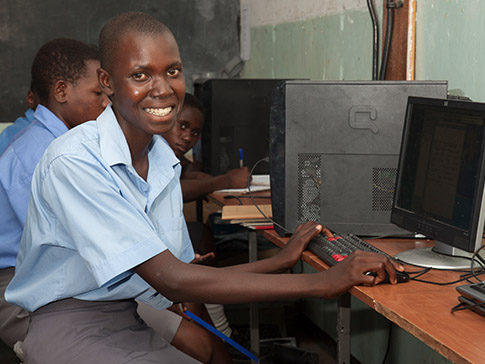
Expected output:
(245, 222)
(259, 182)
(230, 212)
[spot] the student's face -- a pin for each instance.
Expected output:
(84, 100)
(183, 136)
(146, 84)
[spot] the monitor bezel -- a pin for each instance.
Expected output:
(467, 240)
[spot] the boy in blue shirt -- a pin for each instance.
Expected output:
(64, 73)
(21, 122)
(105, 222)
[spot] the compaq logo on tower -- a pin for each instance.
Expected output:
(362, 116)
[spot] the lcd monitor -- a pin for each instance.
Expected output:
(440, 180)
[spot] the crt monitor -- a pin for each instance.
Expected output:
(236, 116)
(440, 180)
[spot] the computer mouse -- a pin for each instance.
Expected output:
(401, 277)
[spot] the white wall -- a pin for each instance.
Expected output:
(271, 12)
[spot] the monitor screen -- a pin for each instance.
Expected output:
(440, 181)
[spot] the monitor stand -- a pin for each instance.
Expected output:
(441, 256)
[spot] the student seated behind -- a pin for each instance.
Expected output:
(182, 138)
(64, 77)
(21, 122)
(105, 223)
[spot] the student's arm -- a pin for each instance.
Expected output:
(193, 189)
(181, 282)
(195, 175)
(189, 166)
(289, 254)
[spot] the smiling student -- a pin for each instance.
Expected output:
(105, 223)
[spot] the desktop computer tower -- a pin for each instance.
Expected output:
(334, 150)
(236, 116)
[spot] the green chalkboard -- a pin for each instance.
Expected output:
(206, 31)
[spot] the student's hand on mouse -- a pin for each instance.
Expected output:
(238, 178)
(354, 269)
(298, 242)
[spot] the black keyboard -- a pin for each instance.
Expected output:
(336, 249)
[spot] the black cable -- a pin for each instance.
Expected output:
(471, 259)
(464, 306)
(390, 5)
(252, 197)
(418, 273)
(387, 44)
(476, 255)
(387, 41)
(463, 277)
(467, 276)
(375, 34)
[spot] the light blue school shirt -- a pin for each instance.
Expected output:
(92, 219)
(17, 165)
(9, 132)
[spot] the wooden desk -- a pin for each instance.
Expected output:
(219, 199)
(421, 309)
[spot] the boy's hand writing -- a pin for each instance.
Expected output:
(203, 259)
(238, 178)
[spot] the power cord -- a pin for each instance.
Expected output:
(375, 36)
(467, 275)
(390, 5)
(466, 306)
(266, 159)
(481, 262)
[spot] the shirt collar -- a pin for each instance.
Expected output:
(112, 141)
(115, 149)
(50, 121)
(29, 114)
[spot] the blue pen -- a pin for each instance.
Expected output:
(241, 154)
(222, 336)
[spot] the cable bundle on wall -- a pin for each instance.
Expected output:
(390, 5)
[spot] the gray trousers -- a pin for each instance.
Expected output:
(78, 332)
(14, 321)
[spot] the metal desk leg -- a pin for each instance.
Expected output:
(253, 307)
(343, 329)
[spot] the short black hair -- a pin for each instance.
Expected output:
(60, 59)
(122, 24)
(192, 101)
